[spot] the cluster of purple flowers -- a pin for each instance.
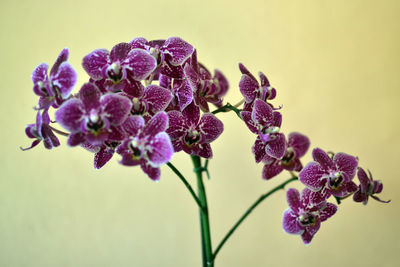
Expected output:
(146, 100)
(263, 119)
(143, 101)
(323, 177)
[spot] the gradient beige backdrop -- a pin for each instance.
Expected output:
(336, 67)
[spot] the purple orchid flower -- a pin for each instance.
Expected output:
(206, 88)
(326, 176)
(303, 217)
(193, 134)
(149, 100)
(170, 54)
(148, 145)
(41, 131)
(94, 118)
(252, 90)
(181, 91)
(297, 146)
(265, 122)
(120, 66)
(368, 188)
(56, 88)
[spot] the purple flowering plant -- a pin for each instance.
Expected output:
(146, 100)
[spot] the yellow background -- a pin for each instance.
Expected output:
(336, 67)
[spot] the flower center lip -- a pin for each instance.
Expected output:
(114, 72)
(94, 122)
(136, 151)
(307, 219)
(192, 137)
(289, 156)
(336, 180)
(270, 130)
(138, 107)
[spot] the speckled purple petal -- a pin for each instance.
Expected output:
(70, 115)
(165, 81)
(222, 82)
(134, 89)
(176, 125)
(202, 103)
(323, 159)
(178, 49)
(277, 147)
(75, 139)
(246, 116)
(50, 140)
(191, 114)
(290, 224)
(157, 124)
(345, 189)
(306, 237)
(346, 163)
(192, 77)
(293, 199)
(119, 52)
(210, 127)
(294, 166)
(31, 131)
(39, 74)
(139, 42)
(62, 57)
(258, 149)
(177, 145)
(116, 134)
(360, 197)
(244, 70)
(172, 71)
(271, 170)
(277, 121)
(299, 142)
(154, 173)
(310, 231)
(313, 229)
(90, 95)
(94, 62)
(311, 175)
(263, 79)
(364, 180)
(248, 87)
(378, 186)
(328, 212)
(116, 107)
(140, 63)
(133, 125)
(64, 79)
(305, 197)
(156, 43)
(127, 160)
(157, 97)
(204, 151)
(102, 157)
(262, 113)
(160, 149)
(184, 95)
(316, 198)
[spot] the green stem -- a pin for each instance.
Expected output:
(204, 219)
(228, 107)
(186, 183)
(249, 210)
